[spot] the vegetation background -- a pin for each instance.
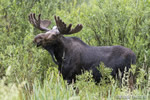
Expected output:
(28, 73)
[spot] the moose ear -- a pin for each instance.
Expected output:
(45, 23)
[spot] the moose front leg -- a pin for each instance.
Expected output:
(64, 72)
(68, 73)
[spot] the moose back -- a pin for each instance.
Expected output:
(72, 55)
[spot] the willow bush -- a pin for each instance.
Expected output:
(32, 73)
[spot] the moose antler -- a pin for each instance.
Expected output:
(38, 23)
(63, 29)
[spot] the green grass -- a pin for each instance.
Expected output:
(28, 73)
(55, 88)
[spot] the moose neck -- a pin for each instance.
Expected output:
(57, 50)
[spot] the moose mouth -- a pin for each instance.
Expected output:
(38, 44)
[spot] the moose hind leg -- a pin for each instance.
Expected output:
(96, 74)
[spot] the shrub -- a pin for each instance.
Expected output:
(106, 22)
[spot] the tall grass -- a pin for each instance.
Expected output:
(33, 75)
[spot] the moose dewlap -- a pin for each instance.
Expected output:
(72, 55)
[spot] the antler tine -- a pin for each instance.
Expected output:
(61, 25)
(66, 30)
(38, 23)
(76, 29)
(31, 19)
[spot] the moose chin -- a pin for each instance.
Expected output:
(72, 55)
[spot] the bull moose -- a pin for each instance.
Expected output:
(72, 55)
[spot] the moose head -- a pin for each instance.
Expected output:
(53, 35)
